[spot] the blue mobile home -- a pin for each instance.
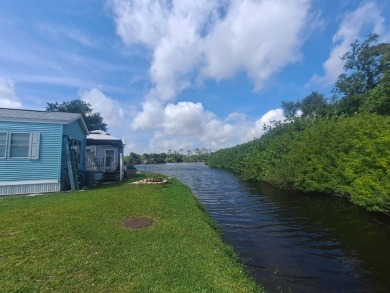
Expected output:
(35, 147)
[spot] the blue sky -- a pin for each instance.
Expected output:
(179, 74)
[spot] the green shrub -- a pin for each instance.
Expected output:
(349, 156)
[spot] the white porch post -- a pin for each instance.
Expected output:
(121, 165)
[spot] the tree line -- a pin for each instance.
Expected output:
(364, 87)
(337, 145)
(192, 155)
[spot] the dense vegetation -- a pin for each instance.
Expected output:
(338, 146)
(75, 242)
(196, 155)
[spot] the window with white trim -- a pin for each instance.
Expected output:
(3, 144)
(17, 145)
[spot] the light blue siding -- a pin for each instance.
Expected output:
(74, 130)
(47, 166)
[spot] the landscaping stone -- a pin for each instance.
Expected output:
(151, 181)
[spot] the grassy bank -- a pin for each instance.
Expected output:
(75, 242)
(347, 156)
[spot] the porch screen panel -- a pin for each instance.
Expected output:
(110, 157)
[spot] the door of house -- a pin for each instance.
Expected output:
(109, 160)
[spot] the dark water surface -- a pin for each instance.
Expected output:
(292, 241)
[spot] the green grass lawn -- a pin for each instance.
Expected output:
(75, 241)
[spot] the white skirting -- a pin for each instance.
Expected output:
(33, 187)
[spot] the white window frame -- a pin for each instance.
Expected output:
(22, 145)
(5, 145)
(91, 149)
(105, 156)
(33, 146)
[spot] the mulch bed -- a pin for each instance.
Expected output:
(137, 223)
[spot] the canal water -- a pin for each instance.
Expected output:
(292, 241)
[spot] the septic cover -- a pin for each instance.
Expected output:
(138, 223)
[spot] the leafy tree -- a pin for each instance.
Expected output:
(349, 104)
(363, 87)
(94, 121)
(378, 100)
(133, 158)
(314, 105)
(290, 109)
(145, 158)
(364, 67)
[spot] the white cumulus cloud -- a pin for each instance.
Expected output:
(150, 118)
(267, 120)
(189, 42)
(187, 125)
(260, 37)
(195, 40)
(186, 118)
(367, 15)
(112, 111)
(8, 98)
(117, 115)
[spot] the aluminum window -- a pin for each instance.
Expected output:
(16, 145)
(19, 145)
(3, 144)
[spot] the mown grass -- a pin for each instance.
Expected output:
(75, 242)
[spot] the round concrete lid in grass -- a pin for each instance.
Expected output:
(137, 222)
